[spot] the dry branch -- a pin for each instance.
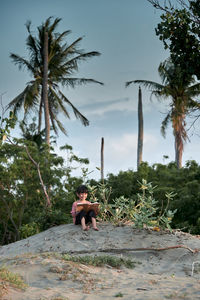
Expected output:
(40, 177)
(115, 250)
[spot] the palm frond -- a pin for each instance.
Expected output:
(54, 121)
(71, 49)
(165, 123)
(77, 113)
(33, 47)
(75, 60)
(78, 81)
(55, 99)
(147, 83)
(193, 90)
(21, 62)
(17, 103)
(28, 99)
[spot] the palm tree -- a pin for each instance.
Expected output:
(181, 92)
(52, 67)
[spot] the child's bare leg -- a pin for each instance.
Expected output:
(94, 224)
(84, 227)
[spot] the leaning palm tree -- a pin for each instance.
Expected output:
(181, 91)
(52, 66)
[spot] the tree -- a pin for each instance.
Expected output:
(52, 66)
(180, 32)
(181, 92)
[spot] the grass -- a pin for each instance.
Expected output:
(102, 260)
(13, 279)
(57, 298)
(7, 279)
(119, 295)
(176, 296)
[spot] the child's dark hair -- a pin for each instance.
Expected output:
(82, 189)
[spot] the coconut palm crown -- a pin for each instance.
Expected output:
(181, 92)
(63, 62)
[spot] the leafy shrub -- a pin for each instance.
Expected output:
(29, 229)
(143, 211)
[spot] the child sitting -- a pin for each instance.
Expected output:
(81, 217)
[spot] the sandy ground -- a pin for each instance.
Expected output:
(158, 274)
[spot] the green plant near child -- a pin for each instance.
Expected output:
(117, 212)
(120, 209)
(144, 208)
(101, 193)
(167, 215)
(145, 211)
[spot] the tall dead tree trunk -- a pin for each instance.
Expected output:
(45, 89)
(140, 129)
(102, 160)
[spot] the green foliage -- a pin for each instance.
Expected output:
(23, 202)
(14, 280)
(52, 217)
(119, 295)
(120, 209)
(179, 31)
(168, 179)
(142, 211)
(101, 260)
(101, 193)
(145, 211)
(5, 125)
(29, 229)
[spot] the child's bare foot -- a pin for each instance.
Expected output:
(86, 228)
(95, 228)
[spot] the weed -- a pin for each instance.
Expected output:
(119, 295)
(13, 279)
(99, 261)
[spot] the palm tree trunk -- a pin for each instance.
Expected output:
(40, 117)
(178, 151)
(140, 129)
(45, 90)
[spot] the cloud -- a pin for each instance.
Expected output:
(100, 108)
(121, 152)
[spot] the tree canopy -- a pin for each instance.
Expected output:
(63, 62)
(180, 32)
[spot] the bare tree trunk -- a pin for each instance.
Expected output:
(140, 129)
(40, 177)
(102, 160)
(45, 90)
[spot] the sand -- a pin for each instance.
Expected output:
(173, 273)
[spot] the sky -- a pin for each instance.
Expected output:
(123, 31)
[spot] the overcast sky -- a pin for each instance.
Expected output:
(123, 31)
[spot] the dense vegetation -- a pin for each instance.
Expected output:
(25, 209)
